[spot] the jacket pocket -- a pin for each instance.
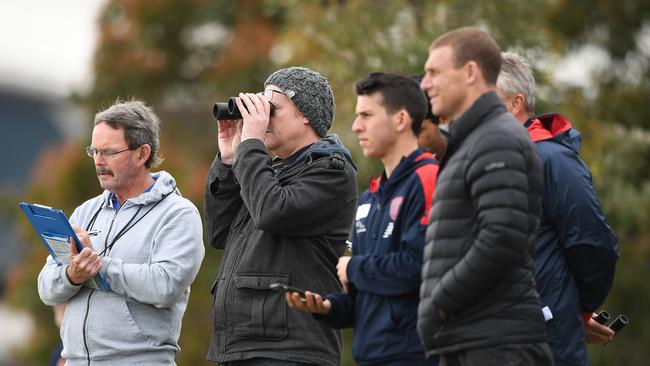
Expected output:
(260, 312)
(72, 325)
(112, 328)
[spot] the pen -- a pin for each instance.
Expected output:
(94, 232)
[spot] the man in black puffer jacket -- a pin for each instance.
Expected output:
(478, 301)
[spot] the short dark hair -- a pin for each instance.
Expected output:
(398, 91)
(473, 44)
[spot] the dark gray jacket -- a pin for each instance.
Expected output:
(484, 219)
(286, 225)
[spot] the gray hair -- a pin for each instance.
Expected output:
(516, 76)
(141, 126)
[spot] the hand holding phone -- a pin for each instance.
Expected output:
(304, 300)
(281, 287)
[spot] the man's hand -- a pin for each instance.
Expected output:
(256, 111)
(229, 138)
(597, 333)
(312, 303)
(85, 264)
(342, 271)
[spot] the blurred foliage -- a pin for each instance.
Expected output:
(182, 56)
(55, 182)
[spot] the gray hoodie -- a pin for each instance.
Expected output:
(149, 269)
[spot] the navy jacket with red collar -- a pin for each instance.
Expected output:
(384, 271)
(575, 251)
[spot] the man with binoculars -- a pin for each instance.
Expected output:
(279, 220)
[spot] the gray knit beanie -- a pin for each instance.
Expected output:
(310, 93)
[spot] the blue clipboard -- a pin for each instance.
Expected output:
(54, 229)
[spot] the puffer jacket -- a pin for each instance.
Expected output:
(478, 257)
(286, 225)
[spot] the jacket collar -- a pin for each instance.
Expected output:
(554, 127)
(406, 165)
(326, 146)
(547, 126)
(485, 107)
(164, 185)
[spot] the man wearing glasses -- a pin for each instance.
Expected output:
(144, 237)
(282, 219)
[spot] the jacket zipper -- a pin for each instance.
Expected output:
(85, 324)
(239, 250)
(110, 227)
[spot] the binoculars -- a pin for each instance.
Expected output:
(619, 323)
(229, 110)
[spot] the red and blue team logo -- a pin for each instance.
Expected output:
(394, 207)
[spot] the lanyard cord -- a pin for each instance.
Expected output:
(128, 225)
(124, 230)
(92, 221)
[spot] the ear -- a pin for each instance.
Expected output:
(402, 120)
(517, 102)
(472, 72)
(144, 153)
(304, 120)
(308, 127)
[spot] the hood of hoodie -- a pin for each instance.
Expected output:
(554, 127)
(163, 186)
(325, 147)
(404, 169)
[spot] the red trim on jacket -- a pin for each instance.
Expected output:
(424, 156)
(374, 184)
(547, 126)
(428, 175)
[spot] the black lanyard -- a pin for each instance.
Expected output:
(128, 225)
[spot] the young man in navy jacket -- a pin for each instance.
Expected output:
(382, 277)
(575, 251)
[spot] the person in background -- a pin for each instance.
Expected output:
(382, 276)
(575, 250)
(478, 302)
(55, 357)
(281, 220)
(144, 238)
(431, 136)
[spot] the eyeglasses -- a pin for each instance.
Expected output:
(268, 94)
(106, 154)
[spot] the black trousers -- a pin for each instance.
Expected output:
(525, 354)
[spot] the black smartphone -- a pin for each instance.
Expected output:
(286, 288)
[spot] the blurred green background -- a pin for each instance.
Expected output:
(591, 60)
